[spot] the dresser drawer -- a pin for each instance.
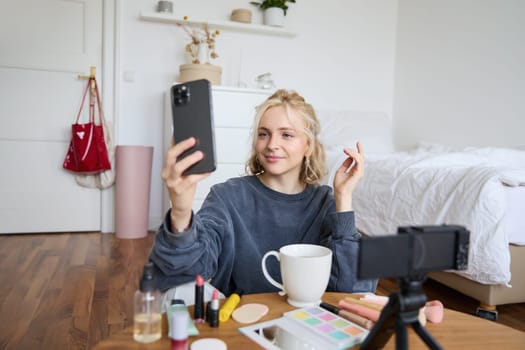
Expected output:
(232, 145)
(235, 108)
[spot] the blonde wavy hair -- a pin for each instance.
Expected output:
(313, 168)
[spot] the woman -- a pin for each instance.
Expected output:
(280, 202)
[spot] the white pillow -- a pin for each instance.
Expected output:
(344, 128)
(340, 129)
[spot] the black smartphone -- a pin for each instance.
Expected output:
(192, 111)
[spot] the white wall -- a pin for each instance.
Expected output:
(342, 58)
(460, 73)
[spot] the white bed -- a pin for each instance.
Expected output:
(482, 189)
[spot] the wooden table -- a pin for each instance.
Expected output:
(457, 331)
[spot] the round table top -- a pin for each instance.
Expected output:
(456, 331)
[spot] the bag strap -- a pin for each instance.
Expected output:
(83, 99)
(101, 113)
(92, 81)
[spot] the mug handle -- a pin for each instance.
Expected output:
(267, 275)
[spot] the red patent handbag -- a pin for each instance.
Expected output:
(87, 152)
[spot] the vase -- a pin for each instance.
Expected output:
(189, 72)
(274, 16)
(203, 53)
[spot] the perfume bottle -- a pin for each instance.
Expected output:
(147, 317)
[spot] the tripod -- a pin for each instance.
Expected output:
(401, 310)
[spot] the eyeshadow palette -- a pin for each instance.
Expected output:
(334, 329)
(310, 328)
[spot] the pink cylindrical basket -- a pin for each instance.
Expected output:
(132, 190)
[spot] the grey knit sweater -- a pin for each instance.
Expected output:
(240, 220)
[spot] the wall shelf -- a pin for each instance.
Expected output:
(223, 25)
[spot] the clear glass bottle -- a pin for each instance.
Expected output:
(147, 317)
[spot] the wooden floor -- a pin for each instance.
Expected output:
(69, 291)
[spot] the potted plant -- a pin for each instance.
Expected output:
(274, 11)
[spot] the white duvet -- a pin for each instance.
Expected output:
(432, 186)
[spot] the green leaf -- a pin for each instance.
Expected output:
(265, 4)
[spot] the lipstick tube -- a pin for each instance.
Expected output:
(214, 309)
(198, 310)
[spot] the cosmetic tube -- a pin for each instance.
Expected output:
(180, 305)
(230, 305)
(214, 309)
(198, 311)
(179, 330)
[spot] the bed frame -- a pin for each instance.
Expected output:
(490, 296)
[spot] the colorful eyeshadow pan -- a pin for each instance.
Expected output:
(352, 330)
(313, 321)
(327, 316)
(339, 323)
(338, 331)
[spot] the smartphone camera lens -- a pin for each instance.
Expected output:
(181, 95)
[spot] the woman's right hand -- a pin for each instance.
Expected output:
(181, 188)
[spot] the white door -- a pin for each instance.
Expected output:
(44, 45)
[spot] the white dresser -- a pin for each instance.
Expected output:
(233, 113)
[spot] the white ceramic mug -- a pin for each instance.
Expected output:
(305, 271)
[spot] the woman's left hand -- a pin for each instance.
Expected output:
(347, 177)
